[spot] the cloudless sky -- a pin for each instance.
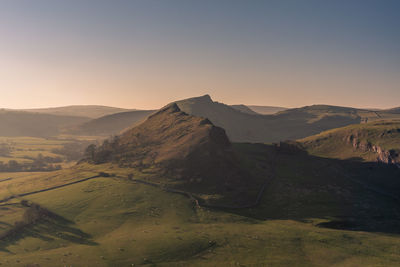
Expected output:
(144, 54)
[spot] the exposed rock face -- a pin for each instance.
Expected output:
(385, 156)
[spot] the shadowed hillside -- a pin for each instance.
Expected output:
(349, 194)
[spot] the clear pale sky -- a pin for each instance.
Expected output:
(144, 54)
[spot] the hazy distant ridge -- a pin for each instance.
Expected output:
(110, 124)
(91, 111)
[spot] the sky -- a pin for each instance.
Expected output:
(145, 54)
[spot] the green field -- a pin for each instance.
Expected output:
(24, 147)
(24, 150)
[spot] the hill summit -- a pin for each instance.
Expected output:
(181, 150)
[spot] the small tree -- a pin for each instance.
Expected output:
(90, 152)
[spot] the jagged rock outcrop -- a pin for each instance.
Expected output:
(385, 156)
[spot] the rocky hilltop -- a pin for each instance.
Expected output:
(188, 152)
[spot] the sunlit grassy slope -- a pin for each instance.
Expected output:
(340, 143)
(112, 221)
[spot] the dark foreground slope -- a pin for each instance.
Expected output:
(114, 221)
(184, 152)
(348, 194)
(289, 124)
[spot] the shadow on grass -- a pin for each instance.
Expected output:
(49, 227)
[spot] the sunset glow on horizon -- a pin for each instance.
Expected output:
(144, 54)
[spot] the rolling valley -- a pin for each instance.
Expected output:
(201, 183)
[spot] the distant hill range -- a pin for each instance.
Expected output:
(90, 111)
(20, 123)
(110, 124)
(88, 120)
(288, 124)
(242, 123)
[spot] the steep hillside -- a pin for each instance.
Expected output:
(90, 111)
(288, 124)
(188, 152)
(110, 124)
(375, 141)
(19, 123)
